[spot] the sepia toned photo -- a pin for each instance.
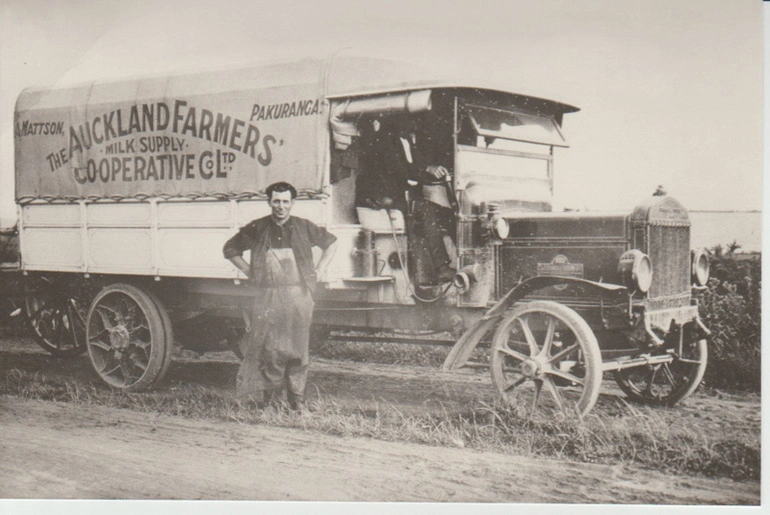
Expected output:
(405, 252)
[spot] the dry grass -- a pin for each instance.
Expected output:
(388, 353)
(640, 437)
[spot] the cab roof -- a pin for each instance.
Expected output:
(333, 77)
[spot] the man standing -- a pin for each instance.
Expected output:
(275, 350)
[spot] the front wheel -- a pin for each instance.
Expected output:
(668, 383)
(129, 337)
(546, 345)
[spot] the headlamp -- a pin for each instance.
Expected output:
(496, 224)
(700, 267)
(500, 228)
(635, 268)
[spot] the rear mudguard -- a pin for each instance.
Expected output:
(463, 349)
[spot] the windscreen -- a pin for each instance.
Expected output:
(509, 125)
(504, 157)
(514, 183)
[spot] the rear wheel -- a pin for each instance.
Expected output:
(56, 316)
(129, 337)
(168, 333)
(668, 383)
(544, 345)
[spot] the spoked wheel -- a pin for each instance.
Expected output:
(547, 346)
(56, 317)
(129, 337)
(668, 383)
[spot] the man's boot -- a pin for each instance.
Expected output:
(296, 402)
(272, 398)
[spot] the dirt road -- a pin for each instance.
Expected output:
(65, 450)
(73, 451)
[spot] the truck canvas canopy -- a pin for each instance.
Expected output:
(227, 133)
(208, 134)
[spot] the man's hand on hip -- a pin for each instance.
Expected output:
(437, 171)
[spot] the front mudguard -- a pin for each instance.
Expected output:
(462, 350)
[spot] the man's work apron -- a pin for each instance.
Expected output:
(275, 350)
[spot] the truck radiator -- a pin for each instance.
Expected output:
(669, 249)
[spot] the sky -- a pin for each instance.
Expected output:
(670, 92)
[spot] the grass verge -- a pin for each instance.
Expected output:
(640, 437)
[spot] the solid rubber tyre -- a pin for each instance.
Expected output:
(673, 382)
(128, 337)
(525, 349)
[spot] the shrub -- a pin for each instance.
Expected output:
(731, 309)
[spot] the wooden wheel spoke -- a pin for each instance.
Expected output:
(140, 343)
(518, 343)
(563, 353)
(59, 329)
(650, 381)
(37, 323)
(105, 319)
(136, 316)
(101, 332)
(145, 346)
(111, 371)
(549, 336)
(514, 384)
(107, 308)
(100, 344)
(533, 348)
(66, 319)
(33, 314)
(135, 328)
(536, 396)
(139, 364)
(72, 308)
(125, 371)
(71, 325)
(513, 353)
(42, 321)
(554, 390)
(567, 376)
(669, 375)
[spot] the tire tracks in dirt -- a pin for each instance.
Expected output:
(59, 450)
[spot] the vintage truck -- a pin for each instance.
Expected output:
(127, 190)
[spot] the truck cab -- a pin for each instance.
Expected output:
(498, 150)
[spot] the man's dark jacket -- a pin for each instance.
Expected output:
(304, 235)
